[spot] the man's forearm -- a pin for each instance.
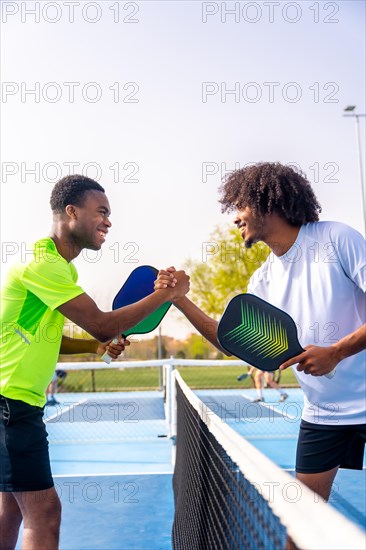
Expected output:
(351, 344)
(202, 322)
(78, 345)
(104, 326)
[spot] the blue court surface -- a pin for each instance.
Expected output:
(112, 462)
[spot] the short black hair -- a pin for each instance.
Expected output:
(271, 187)
(71, 190)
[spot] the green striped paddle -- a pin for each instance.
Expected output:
(259, 333)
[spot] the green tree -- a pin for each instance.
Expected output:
(224, 270)
(197, 347)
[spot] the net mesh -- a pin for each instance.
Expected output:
(229, 496)
(215, 505)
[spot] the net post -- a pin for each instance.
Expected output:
(173, 406)
(171, 415)
(160, 356)
(93, 380)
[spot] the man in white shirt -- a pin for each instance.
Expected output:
(316, 273)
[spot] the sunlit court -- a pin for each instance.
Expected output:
(113, 455)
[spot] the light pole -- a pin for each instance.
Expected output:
(349, 113)
(160, 355)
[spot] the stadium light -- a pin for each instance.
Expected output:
(350, 113)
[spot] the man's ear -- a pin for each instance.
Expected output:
(71, 211)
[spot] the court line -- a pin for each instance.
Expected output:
(343, 469)
(115, 474)
(275, 437)
(65, 410)
(271, 405)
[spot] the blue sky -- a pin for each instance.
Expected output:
(174, 128)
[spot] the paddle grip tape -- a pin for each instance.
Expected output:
(107, 358)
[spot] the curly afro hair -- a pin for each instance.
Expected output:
(271, 187)
(71, 190)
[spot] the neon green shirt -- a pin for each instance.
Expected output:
(31, 326)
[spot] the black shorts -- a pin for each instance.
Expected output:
(323, 447)
(24, 458)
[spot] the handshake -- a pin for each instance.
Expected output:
(176, 283)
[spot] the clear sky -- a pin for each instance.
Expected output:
(157, 100)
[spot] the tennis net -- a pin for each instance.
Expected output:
(229, 496)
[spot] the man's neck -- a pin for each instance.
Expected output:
(65, 245)
(281, 236)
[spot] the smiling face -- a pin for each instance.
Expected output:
(89, 223)
(251, 227)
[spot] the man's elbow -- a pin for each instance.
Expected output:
(101, 328)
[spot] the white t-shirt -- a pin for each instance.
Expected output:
(320, 282)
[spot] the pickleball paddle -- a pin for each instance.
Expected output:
(138, 285)
(259, 333)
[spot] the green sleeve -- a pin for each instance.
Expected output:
(53, 282)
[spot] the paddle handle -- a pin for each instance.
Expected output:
(330, 374)
(107, 358)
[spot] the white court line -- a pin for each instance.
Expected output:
(343, 469)
(275, 437)
(99, 441)
(271, 405)
(114, 474)
(64, 410)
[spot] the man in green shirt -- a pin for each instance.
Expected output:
(36, 297)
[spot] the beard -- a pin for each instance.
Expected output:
(252, 239)
(249, 243)
(255, 230)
